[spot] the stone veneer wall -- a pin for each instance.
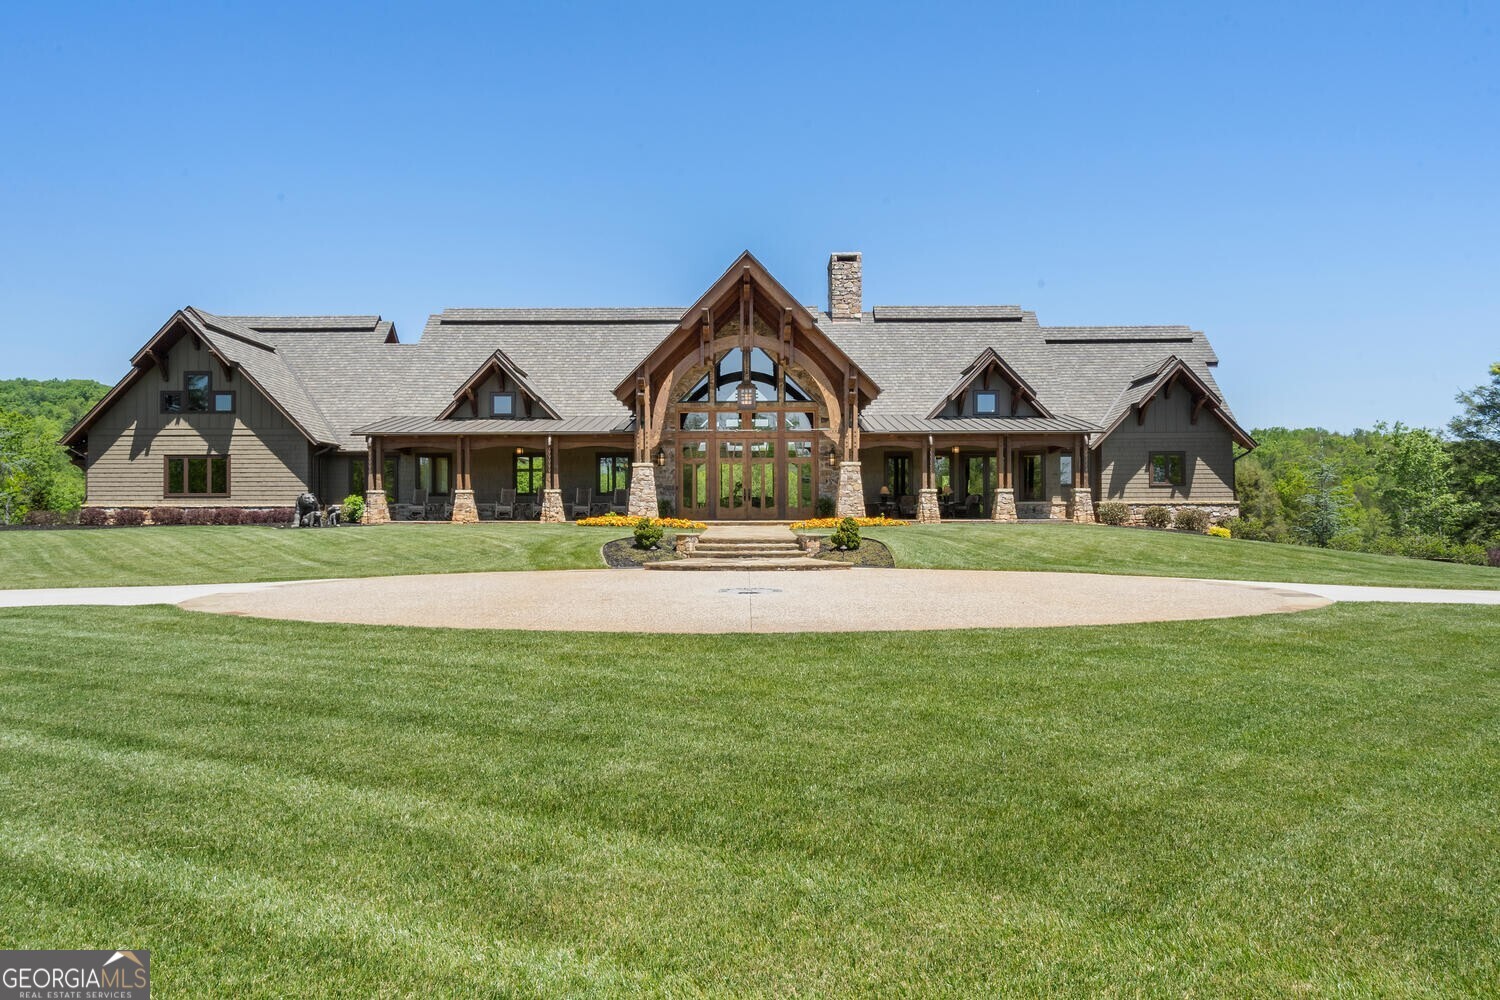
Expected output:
(850, 499)
(642, 490)
(1217, 512)
(845, 291)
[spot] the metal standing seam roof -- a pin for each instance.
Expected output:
(483, 427)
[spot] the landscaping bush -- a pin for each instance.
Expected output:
(130, 517)
(1219, 531)
(198, 515)
(647, 534)
(42, 518)
(166, 515)
(666, 507)
(1191, 519)
(227, 515)
(94, 517)
(826, 506)
(1112, 512)
(846, 535)
(352, 509)
(1156, 517)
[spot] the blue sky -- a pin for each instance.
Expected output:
(1316, 186)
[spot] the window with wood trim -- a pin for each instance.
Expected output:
(530, 474)
(434, 474)
(1168, 469)
(986, 403)
(223, 401)
(503, 405)
(614, 473)
(195, 476)
(196, 387)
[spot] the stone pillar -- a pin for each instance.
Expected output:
(928, 511)
(1059, 509)
(1083, 505)
(552, 507)
(464, 511)
(1003, 507)
(845, 291)
(642, 490)
(850, 501)
(376, 509)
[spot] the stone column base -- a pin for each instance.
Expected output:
(850, 501)
(1059, 511)
(1003, 506)
(376, 509)
(464, 511)
(642, 490)
(552, 507)
(928, 511)
(1083, 505)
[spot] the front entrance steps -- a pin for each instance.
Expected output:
(757, 550)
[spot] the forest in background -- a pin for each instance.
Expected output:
(1392, 489)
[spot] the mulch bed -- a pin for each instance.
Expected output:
(870, 553)
(622, 553)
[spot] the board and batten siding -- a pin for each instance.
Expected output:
(1207, 447)
(269, 458)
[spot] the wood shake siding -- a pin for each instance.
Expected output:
(1208, 448)
(129, 443)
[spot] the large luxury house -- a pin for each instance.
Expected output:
(747, 404)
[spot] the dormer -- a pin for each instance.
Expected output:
(498, 390)
(990, 388)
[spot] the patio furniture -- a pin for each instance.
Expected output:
(506, 508)
(437, 510)
(619, 502)
(582, 501)
(908, 506)
(974, 506)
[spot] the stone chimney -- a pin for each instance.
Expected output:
(845, 291)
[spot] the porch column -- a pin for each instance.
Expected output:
(553, 511)
(1083, 495)
(642, 490)
(928, 511)
(377, 511)
(1003, 504)
(464, 509)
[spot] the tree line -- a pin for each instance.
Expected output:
(35, 471)
(1392, 489)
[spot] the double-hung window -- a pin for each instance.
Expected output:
(196, 476)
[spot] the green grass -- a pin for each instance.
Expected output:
(181, 555)
(1275, 806)
(1098, 549)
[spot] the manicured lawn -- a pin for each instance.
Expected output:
(1099, 549)
(168, 555)
(1294, 805)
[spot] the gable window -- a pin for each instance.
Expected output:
(223, 401)
(530, 474)
(986, 403)
(195, 388)
(503, 405)
(196, 476)
(1168, 468)
(171, 401)
(614, 473)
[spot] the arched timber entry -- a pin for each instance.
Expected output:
(747, 410)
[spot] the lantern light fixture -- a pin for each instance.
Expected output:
(661, 457)
(746, 394)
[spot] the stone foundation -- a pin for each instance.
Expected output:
(642, 490)
(928, 511)
(464, 511)
(850, 499)
(552, 507)
(376, 510)
(1003, 506)
(1217, 512)
(1083, 506)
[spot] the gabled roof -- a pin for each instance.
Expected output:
(987, 359)
(1143, 387)
(497, 362)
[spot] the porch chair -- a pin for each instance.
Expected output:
(418, 505)
(908, 506)
(582, 500)
(506, 508)
(974, 506)
(619, 502)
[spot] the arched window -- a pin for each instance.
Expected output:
(765, 374)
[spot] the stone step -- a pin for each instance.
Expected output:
(758, 547)
(797, 563)
(742, 556)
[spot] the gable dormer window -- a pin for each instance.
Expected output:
(986, 403)
(503, 405)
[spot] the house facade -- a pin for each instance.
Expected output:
(745, 405)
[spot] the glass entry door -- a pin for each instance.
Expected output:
(979, 481)
(761, 480)
(1033, 479)
(731, 479)
(801, 494)
(695, 499)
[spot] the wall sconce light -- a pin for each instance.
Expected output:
(520, 451)
(661, 458)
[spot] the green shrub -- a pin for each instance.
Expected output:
(1156, 517)
(1112, 512)
(846, 535)
(666, 507)
(647, 533)
(352, 509)
(826, 506)
(1191, 519)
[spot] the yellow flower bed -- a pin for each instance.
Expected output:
(627, 521)
(1218, 531)
(833, 522)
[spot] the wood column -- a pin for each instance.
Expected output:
(370, 451)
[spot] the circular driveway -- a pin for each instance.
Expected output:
(859, 600)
